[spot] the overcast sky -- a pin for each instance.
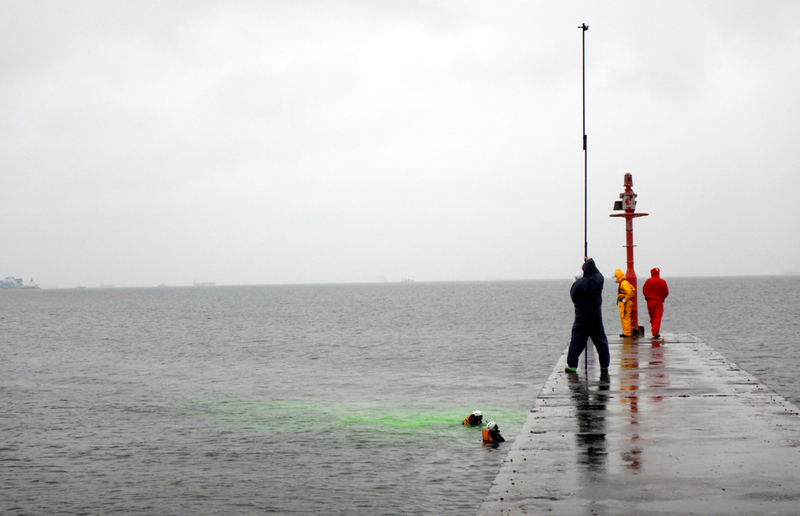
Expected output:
(263, 142)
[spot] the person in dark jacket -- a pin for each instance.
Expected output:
(587, 296)
(655, 291)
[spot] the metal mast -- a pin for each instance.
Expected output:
(584, 28)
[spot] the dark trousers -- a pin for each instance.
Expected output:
(588, 325)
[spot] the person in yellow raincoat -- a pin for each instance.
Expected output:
(625, 294)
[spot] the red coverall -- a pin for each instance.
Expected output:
(655, 291)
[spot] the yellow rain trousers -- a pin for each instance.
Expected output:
(625, 295)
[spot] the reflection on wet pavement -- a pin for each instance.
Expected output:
(590, 399)
(673, 428)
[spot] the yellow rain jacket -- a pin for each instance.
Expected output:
(624, 295)
(626, 290)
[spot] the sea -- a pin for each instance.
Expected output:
(310, 399)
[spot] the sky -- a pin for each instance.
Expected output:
(337, 141)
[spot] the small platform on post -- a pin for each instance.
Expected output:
(673, 428)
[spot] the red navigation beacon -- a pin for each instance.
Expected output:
(628, 205)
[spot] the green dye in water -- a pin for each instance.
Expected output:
(260, 416)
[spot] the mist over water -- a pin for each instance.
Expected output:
(334, 399)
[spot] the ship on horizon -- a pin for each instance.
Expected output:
(17, 283)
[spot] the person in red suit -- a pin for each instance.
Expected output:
(655, 291)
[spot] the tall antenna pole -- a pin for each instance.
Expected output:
(584, 28)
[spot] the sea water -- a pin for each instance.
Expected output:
(309, 399)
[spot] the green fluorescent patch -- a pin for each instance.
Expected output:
(271, 416)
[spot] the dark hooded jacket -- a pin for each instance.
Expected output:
(587, 292)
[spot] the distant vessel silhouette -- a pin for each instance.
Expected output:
(16, 283)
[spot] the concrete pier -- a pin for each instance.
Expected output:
(673, 428)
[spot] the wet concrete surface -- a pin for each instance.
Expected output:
(673, 428)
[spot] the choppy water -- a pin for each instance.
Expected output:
(333, 399)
